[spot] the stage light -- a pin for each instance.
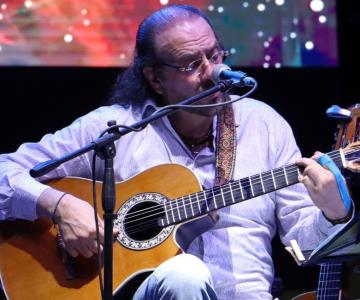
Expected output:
(293, 35)
(28, 4)
(220, 9)
(322, 19)
(317, 5)
(279, 2)
(68, 38)
(309, 45)
(261, 7)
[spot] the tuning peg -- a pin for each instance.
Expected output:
(338, 113)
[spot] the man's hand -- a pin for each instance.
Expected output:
(75, 219)
(322, 187)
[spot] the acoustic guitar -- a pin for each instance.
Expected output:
(330, 274)
(329, 284)
(154, 210)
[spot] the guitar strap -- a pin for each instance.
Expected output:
(225, 146)
(225, 149)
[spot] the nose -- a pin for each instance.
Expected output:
(206, 70)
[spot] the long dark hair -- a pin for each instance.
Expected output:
(131, 86)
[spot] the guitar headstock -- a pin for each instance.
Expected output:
(349, 131)
(352, 157)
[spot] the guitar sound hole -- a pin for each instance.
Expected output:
(140, 222)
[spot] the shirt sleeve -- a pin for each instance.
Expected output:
(19, 191)
(298, 217)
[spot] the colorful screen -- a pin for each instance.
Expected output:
(259, 33)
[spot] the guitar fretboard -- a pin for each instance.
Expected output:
(200, 203)
(329, 281)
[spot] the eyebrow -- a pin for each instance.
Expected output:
(195, 55)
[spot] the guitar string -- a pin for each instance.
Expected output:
(265, 177)
(189, 203)
(267, 174)
(141, 226)
(145, 225)
(329, 286)
(181, 206)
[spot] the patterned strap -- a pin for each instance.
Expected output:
(225, 149)
(225, 146)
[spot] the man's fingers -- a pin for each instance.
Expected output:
(86, 251)
(72, 252)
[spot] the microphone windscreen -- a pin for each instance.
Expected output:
(217, 70)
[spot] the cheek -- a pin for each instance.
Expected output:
(181, 86)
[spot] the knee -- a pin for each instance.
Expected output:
(184, 270)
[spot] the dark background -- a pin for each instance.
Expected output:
(35, 101)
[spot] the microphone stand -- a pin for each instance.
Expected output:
(105, 149)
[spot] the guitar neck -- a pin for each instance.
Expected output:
(200, 203)
(329, 282)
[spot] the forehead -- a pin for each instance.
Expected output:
(185, 37)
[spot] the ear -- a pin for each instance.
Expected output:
(152, 77)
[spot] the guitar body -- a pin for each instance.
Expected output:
(313, 296)
(306, 296)
(31, 264)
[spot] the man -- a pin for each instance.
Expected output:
(176, 50)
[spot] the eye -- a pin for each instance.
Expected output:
(194, 65)
(216, 57)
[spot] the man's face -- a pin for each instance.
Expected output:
(187, 41)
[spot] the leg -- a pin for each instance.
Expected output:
(182, 277)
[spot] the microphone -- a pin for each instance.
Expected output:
(223, 72)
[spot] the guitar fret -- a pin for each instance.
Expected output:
(198, 202)
(327, 280)
(222, 196)
(298, 171)
(166, 213)
(273, 178)
(262, 183)
(241, 190)
(214, 199)
(178, 210)
(251, 187)
(286, 178)
(172, 212)
(231, 193)
(206, 203)
(162, 222)
(191, 206)
(185, 208)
